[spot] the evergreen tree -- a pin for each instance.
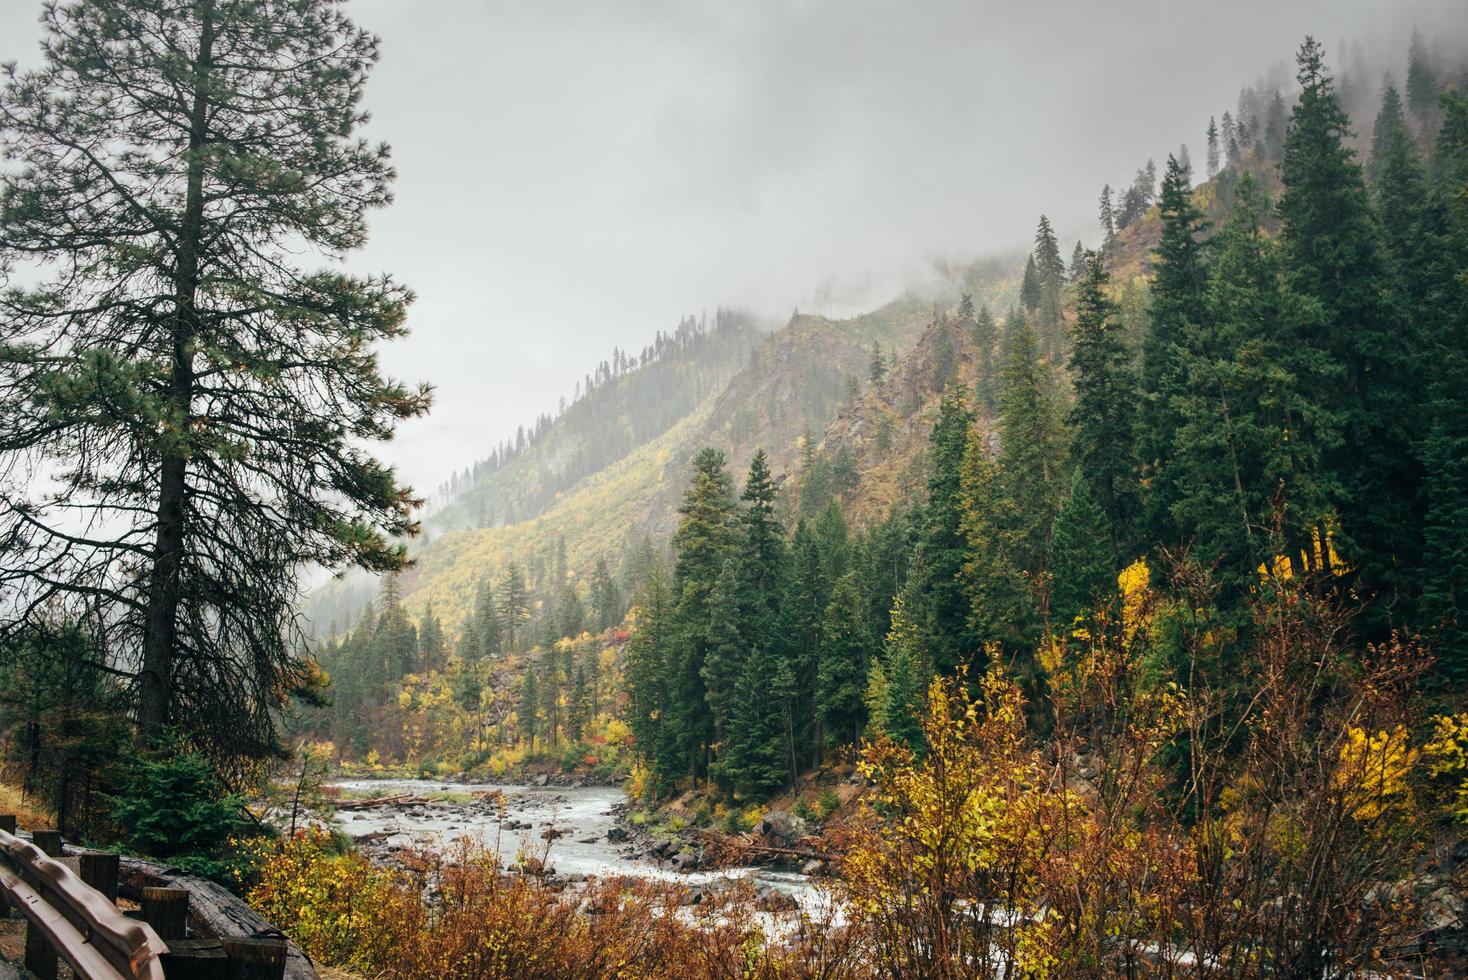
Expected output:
(945, 362)
(896, 686)
(1051, 269)
(1390, 121)
(1029, 290)
(986, 336)
(650, 655)
(724, 660)
(877, 368)
(761, 557)
(194, 393)
(1077, 263)
(704, 541)
(808, 593)
(1445, 446)
(1250, 425)
(1103, 446)
(1083, 560)
(1177, 317)
(529, 714)
(999, 606)
(605, 597)
(1422, 86)
(845, 660)
(1032, 452)
(759, 760)
(1212, 148)
(1333, 256)
(943, 614)
(578, 707)
(514, 607)
(1108, 221)
(430, 642)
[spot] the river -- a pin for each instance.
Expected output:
(584, 814)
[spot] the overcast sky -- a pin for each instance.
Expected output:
(574, 175)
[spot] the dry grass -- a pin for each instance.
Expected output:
(27, 815)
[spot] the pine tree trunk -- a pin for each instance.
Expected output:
(156, 677)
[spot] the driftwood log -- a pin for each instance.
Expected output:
(214, 912)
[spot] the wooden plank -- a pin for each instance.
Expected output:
(214, 911)
(81, 925)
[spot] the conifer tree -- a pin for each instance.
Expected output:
(1108, 221)
(724, 659)
(1032, 452)
(1177, 317)
(802, 626)
(1103, 445)
(845, 661)
(430, 642)
(1422, 86)
(1082, 557)
(1212, 148)
(1445, 446)
(943, 615)
(1077, 263)
(985, 339)
(1389, 122)
(1051, 270)
(759, 754)
(761, 556)
(704, 541)
(1251, 427)
(578, 707)
(966, 305)
(175, 377)
(1029, 290)
(650, 655)
(514, 607)
(877, 368)
(897, 682)
(1334, 257)
(605, 596)
(529, 714)
(999, 605)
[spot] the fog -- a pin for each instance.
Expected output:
(578, 175)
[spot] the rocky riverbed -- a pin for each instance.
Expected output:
(570, 833)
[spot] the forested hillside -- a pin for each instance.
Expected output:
(967, 479)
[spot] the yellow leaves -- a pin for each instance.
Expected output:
(1447, 761)
(1372, 772)
(1134, 583)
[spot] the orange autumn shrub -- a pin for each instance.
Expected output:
(460, 917)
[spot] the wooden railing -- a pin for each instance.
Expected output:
(70, 908)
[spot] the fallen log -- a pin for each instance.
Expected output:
(745, 844)
(214, 911)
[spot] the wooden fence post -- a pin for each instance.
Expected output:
(195, 959)
(49, 841)
(167, 911)
(40, 958)
(99, 869)
(255, 959)
(7, 824)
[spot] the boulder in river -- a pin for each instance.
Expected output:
(617, 835)
(781, 828)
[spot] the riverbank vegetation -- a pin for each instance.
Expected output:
(1118, 632)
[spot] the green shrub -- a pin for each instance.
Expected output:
(828, 804)
(802, 809)
(172, 806)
